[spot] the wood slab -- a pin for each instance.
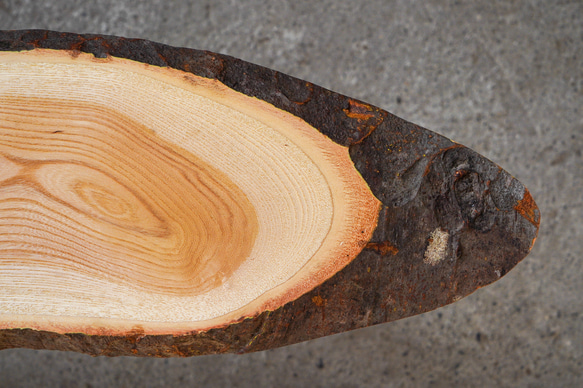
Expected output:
(447, 221)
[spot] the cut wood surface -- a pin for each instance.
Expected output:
(160, 201)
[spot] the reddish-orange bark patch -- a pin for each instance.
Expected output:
(359, 111)
(528, 209)
(383, 248)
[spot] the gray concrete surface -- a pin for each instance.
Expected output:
(505, 78)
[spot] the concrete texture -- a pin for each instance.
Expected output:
(504, 78)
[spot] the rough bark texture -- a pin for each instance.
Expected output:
(425, 182)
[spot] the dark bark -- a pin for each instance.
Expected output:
(424, 181)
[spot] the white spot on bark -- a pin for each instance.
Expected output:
(437, 246)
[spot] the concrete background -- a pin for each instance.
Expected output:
(504, 78)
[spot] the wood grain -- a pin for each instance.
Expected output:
(144, 196)
(84, 191)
